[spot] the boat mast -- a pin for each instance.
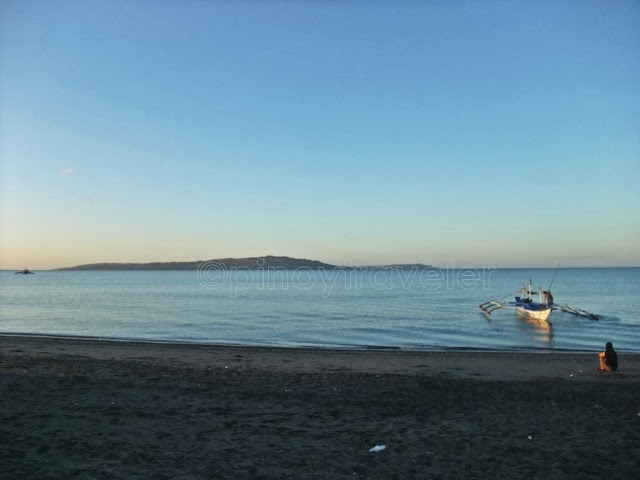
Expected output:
(554, 276)
(540, 294)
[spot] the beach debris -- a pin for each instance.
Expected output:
(377, 448)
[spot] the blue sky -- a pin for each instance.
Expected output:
(482, 133)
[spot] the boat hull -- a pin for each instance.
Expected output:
(540, 315)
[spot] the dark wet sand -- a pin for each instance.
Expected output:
(74, 408)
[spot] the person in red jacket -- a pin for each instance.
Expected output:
(609, 359)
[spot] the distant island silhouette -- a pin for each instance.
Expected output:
(251, 263)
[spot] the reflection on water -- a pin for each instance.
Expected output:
(542, 331)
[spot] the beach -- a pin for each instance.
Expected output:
(87, 408)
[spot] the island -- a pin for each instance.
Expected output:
(251, 263)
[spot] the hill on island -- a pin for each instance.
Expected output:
(252, 263)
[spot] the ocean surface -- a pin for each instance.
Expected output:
(413, 309)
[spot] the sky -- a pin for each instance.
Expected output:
(466, 133)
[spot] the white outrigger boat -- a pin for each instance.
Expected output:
(525, 304)
(527, 307)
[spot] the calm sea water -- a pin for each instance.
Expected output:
(361, 308)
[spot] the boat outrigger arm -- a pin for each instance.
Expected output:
(490, 307)
(576, 311)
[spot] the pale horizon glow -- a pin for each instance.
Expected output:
(489, 134)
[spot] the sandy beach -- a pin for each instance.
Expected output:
(77, 408)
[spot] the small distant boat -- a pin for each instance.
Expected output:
(26, 271)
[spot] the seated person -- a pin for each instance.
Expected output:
(609, 359)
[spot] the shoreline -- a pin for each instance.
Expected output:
(314, 347)
(373, 347)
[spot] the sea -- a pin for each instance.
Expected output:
(433, 309)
